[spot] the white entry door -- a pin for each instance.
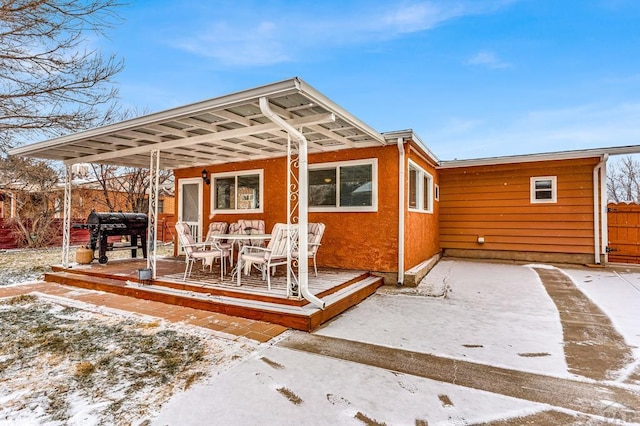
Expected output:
(190, 205)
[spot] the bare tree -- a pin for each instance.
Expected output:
(126, 187)
(34, 187)
(623, 180)
(51, 81)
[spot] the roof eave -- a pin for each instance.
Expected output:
(548, 156)
(290, 85)
(328, 104)
(410, 134)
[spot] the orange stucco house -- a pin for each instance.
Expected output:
(390, 206)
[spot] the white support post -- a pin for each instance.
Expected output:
(293, 285)
(66, 217)
(303, 202)
(154, 179)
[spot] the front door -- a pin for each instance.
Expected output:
(190, 205)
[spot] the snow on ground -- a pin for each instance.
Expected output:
(617, 294)
(287, 387)
(492, 314)
(70, 363)
(24, 265)
(495, 314)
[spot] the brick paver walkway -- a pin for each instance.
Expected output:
(235, 326)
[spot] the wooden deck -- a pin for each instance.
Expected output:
(339, 289)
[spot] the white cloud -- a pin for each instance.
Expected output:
(269, 36)
(258, 44)
(488, 59)
(578, 127)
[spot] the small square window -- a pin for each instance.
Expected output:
(543, 189)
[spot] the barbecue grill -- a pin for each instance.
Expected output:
(101, 226)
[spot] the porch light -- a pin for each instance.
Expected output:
(327, 180)
(205, 176)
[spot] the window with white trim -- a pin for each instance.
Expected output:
(420, 189)
(238, 192)
(544, 189)
(344, 186)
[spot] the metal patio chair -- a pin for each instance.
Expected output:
(283, 237)
(314, 235)
(195, 252)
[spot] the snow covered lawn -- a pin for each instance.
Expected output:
(70, 363)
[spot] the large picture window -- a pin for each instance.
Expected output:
(239, 192)
(420, 189)
(344, 186)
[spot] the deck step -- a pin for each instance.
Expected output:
(305, 317)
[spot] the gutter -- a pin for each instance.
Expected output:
(599, 205)
(303, 202)
(401, 191)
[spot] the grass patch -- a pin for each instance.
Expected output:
(290, 395)
(126, 365)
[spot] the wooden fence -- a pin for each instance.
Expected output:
(624, 232)
(9, 238)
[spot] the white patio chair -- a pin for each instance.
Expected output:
(253, 226)
(283, 237)
(215, 228)
(234, 228)
(314, 235)
(195, 252)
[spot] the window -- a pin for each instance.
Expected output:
(240, 192)
(420, 189)
(160, 206)
(344, 186)
(437, 192)
(543, 189)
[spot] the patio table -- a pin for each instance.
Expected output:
(237, 237)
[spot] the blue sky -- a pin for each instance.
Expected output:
(473, 78)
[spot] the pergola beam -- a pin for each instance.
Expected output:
(194, 140)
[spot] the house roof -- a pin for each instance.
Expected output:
(547, 156)
(409, 134)
(220, 130)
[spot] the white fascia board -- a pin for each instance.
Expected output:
(548, 156)
(291, 85)
(329, 105)
(393, 136)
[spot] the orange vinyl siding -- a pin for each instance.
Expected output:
(358, 240)
(421, 229)
(494, 202)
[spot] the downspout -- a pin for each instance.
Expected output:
(401, 191)
(303, 202)
(603, 206)
(598, 196)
